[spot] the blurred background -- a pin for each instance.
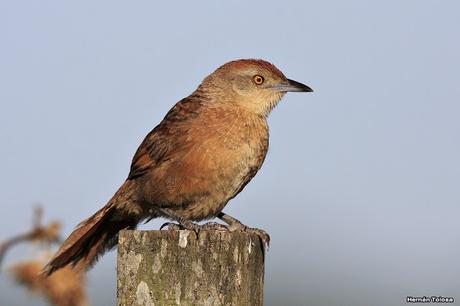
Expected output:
(360, 190)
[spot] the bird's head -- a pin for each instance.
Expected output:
(255, 85)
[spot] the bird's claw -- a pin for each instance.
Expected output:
(182, 226)
(263, 235)
(215, 226)
(170, 226)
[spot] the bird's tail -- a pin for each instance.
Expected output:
(97, 234)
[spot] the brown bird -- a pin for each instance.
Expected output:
(200, 156)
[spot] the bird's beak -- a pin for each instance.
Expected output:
(292, 86)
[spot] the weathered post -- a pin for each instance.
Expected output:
(181, 268)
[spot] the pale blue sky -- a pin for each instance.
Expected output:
(360, 188)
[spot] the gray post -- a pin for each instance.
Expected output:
(178, 268)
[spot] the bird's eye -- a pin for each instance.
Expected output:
(258, 79)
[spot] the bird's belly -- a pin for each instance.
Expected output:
(218, 183)
(199, 186)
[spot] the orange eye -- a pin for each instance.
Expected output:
(258, 79)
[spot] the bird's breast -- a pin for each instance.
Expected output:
(218, 160)
(227, 153)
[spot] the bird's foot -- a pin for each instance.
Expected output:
(184, 223)
(215, 226)
(170, 226)
(263, 235)
(236, 225)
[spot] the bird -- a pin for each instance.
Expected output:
(199, 157)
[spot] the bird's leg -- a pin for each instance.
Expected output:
(235, 225)
(185, 223)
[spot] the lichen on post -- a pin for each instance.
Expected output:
(182, 268)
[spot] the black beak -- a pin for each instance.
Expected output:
(293, 86)
(297, 86)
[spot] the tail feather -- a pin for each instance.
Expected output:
(96, 235)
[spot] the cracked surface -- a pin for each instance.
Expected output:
(181, 268)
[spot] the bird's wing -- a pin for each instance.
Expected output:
(164, 140)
